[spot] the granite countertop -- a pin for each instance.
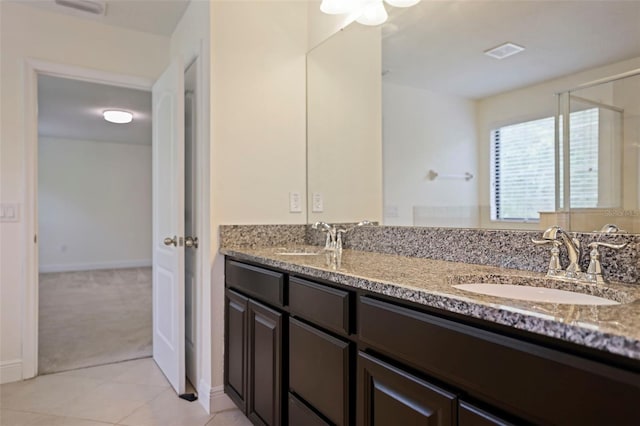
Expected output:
(614, 328)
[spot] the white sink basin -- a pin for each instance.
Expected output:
(535, 294)
(300, 251)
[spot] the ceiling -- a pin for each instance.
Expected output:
(149, 16)
(439, 45)
(72, 109)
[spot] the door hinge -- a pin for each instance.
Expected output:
(35, 238)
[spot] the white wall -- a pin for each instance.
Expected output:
(258, 130)
(528, 103)
(344, 128)
(27, 32)
(425, 130)
(258, 110)
(94, 203)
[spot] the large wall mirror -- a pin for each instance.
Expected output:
(413, 123)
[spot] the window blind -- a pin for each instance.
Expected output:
(523, 171)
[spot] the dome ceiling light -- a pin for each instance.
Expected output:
(368, 12)
(117, 116)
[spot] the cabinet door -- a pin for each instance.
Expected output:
(265, 365)
(319, 371)
(388, 396)
(235, 354)
(301, 415)
(469, 415)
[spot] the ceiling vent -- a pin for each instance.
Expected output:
(504, 50)
(95, 7)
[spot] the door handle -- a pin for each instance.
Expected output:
(191, 242)
(171, 241)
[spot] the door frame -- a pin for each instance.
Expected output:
(33, 67)
(198, 53)
(30, 305)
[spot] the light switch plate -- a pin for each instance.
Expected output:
(295, 202)
(317, 203)
(9, 212)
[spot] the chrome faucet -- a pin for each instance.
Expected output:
(557, 236)
(331, 231)
(572, 245)
(333, 241)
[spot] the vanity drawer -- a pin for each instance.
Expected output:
(326, 306)
(260, 283)
(531, 381)
(300, 414)
(319, 370)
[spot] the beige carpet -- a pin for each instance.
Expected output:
(92, 318)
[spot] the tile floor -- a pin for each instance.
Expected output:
(132, 393)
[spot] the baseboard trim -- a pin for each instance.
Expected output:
(10, 371)
(144, 263)
(218, 400)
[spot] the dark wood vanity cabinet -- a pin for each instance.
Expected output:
(304, 353)
(534, 383)
(254, 343)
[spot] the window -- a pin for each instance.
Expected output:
(523, 166)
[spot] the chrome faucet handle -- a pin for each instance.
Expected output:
(611, 228)
(554, 263)
(594, 271)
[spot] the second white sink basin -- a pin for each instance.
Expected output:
(535, 294)
(299, 251)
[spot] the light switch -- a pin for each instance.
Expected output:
(295, 202)
(317, 203)
(9, 212)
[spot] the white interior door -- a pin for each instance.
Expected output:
(168, 225)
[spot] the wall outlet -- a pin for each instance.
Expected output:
(9, 212)
(317, 203)
(295, 202)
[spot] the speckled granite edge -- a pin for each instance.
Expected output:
(262, 235)
(503, 248)
(535, 322)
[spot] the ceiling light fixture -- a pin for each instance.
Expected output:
(402, 3)
(338, 7)
(117, 116)
(373, 13)
(367, 12)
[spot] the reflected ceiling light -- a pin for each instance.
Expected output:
(96, 7)
(117, 116)
(338, 7)
(367, 12)
(402, 3)
(373, 13)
